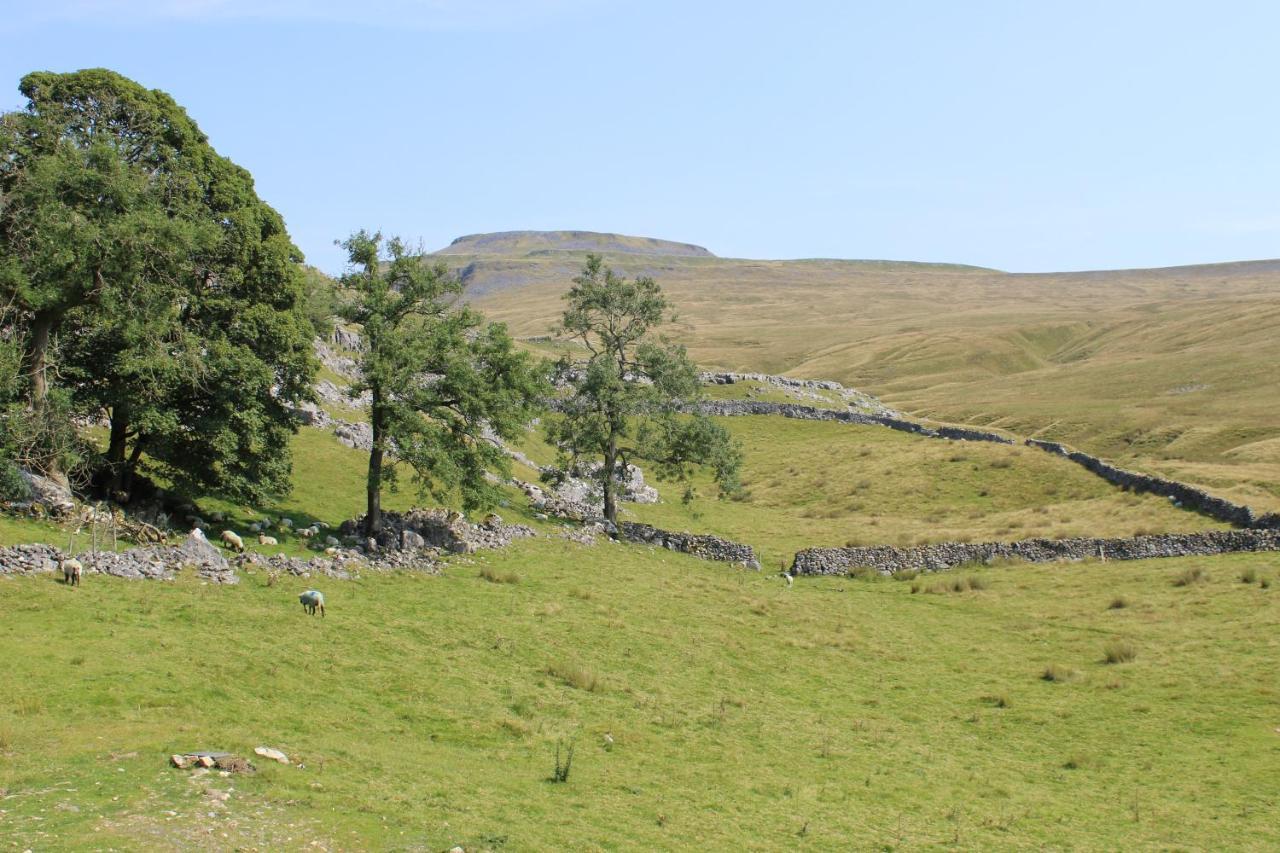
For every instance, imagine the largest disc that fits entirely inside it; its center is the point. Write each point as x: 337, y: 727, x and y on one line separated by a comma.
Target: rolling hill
x: 1169, y: 370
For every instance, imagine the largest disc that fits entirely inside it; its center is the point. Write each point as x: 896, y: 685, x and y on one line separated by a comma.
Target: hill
x: 1167, y: 370
x: 533, y: 242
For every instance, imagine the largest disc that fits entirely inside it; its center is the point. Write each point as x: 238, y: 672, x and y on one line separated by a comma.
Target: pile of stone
x: 435, y: 529
x: 888, y: 560
x: 154, y: 562
x: 342, y: 566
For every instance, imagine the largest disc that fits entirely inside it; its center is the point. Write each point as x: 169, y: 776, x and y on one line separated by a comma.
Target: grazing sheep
x: 320, y: 525
x: 312, y: 600
x: 71, y: 570
x: 286, y: 523
x: 264, y: 539
x: 217, y: 517
x: 233, y: 541
x: 197, y: 521
x: 256, y: 527
x: 308, y: 532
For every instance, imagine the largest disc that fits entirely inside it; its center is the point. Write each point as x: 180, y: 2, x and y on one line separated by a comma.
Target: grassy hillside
x: 424, y: 711
x: 1166, y: 370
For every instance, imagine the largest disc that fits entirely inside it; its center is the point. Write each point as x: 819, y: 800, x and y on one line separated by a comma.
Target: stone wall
x: 733, y: 408
x: 154, y: 562
x: 946, y: 555
x: 1186, y: 496
x: 699, y: 545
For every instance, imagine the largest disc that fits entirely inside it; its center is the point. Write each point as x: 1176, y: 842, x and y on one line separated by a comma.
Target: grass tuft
x: 1059, y: 674
x: 1119, y: 651
x: 578, y: 677
x: 493, y: 576
x: 1118, y: 603
x: 1190, y: 577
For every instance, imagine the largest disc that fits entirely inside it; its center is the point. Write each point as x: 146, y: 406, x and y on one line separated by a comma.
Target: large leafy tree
x: 442, y: 381
x: 120, y: 222
x: 625, y: 402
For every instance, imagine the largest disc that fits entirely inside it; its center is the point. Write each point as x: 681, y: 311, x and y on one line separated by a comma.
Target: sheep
x: 311, y: 601
x: 286, y: 523
x: 308, y: 532
x: 217, y: 517
x: 264, y: 539
x: 197, y: 521
x: 256, y: 527
x: 232, y: 541
x: 71, y: 570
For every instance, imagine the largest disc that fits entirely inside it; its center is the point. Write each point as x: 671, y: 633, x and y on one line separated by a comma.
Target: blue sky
x: 1023, y: 135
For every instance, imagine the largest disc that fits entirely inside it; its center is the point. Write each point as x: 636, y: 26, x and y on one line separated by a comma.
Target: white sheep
x: 264, y: 539
x: 256, y: 527
x: 307, y: 532
x: 232, y: 540
x: 71, y: 570
x: 286, y: 523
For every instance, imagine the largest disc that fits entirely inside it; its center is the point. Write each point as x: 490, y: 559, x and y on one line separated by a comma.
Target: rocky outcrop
x: 1184, y: 495
x: 699, y: 545
x: 947, y: 555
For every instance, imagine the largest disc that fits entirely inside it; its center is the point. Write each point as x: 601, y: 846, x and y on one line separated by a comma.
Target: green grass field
x: 837, y: 714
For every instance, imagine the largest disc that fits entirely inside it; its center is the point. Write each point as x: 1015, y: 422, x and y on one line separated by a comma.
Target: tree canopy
x: 443, y: 382
x: 625, y: 402
x: 179, y: 289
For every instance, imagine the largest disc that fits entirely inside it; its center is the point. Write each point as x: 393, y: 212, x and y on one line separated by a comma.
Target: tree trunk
x: 607, y: 481
x: 131, y: 467
x: 42, y: 325
x: 373, y: 513
x: 116, y: 447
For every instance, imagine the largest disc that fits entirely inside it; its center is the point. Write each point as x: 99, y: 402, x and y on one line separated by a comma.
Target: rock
x: 205, y: 761
x: 49, y: 492
x: 271, y: 753
x: 411, y: 541
x: 179, y: 761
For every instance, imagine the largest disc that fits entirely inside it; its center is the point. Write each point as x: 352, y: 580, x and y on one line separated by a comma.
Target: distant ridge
x: 536, y: 242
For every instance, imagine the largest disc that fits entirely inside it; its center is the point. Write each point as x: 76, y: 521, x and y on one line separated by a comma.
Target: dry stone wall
x: 733, y: 408
x: 699, y: 545
x: 1186, y: 496
x: 947, y: 555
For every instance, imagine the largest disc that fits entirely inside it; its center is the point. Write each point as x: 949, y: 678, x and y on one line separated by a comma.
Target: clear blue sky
x: 1020, y: 135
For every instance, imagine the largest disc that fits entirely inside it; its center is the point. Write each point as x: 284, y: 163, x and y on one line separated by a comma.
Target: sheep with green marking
x: 312, y: 600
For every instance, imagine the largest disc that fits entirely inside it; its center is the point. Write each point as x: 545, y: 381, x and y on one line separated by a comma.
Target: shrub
x: 863, y: 573
x: 996, y: 700
x: 1249, y: 575
x: 1190, y: 576
x: 499, y: 577
x: 561, y: 773
x: 13, y: 487
x: 575, y: 676
x: 1118, y: 603
x: 1119, y: 651
x: 976, y: 582
x: 1265, y: 583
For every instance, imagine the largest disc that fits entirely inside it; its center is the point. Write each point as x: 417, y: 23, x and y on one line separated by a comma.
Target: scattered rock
x: 271, y: 753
